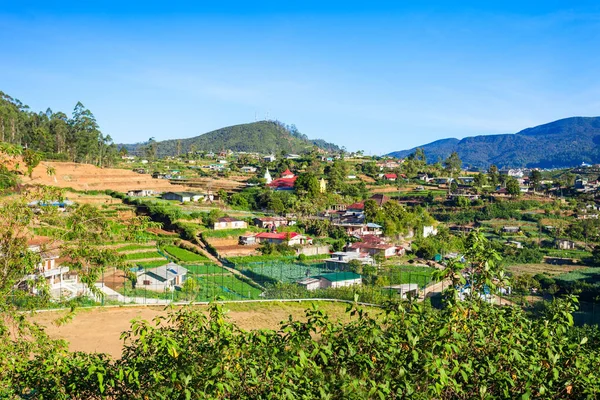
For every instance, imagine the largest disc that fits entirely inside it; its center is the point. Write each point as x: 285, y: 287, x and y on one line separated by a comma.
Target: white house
x: 140, y: 193
x: 248, y: 169
x: 182, y: 197
x: 162, y: 278
x: 229, y: 223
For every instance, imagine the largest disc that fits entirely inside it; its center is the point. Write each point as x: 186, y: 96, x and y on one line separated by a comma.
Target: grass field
x: 281, y: 271
x: 183, y: 254
x: 152, y: 264
x: 205, y: 269
x: 132, y: 247
x: 588, y: 275
x: 143, y: 256
x: 409, y: 274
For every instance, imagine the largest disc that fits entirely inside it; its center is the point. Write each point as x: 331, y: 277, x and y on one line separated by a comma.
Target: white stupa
x: 268, y: 177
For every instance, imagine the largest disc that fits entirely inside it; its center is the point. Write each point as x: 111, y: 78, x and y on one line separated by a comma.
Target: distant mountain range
x: 258, y: 137
x: 564, y: 143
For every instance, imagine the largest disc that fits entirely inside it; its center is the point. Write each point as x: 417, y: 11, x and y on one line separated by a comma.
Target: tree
x: 513, y: 188
x: 32, y: 159
x: 535, y: 178
x: 494, y: 175
x: 480, y: 180
x: 453, y: 164
x: 307, y: 185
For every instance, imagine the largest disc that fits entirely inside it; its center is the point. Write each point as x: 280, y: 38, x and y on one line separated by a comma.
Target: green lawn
x: 152, y: 264
x: 204, y: 269
x: 589, y: 275
x: 408, y: 274
x: 144, y: 255
x: 131, y: 247
x: 183, y: 254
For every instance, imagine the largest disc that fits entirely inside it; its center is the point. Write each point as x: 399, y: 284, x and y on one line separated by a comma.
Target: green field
x: 183, y: 254
x: 132, y: 247
x: 143, y: 256
x: 588, y: 275
x: 152, y: 264
x: 408, y: 274
x: 207, y: 269
x: 281, y: 271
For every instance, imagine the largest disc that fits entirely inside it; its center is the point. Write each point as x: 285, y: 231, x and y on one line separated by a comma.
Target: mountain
x: 257, y: 137
x: 564, y: 143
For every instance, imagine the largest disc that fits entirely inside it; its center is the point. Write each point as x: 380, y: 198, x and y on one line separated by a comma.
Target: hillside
x: 257, y: 137
x: 89, y: 177
x: 563, y: 143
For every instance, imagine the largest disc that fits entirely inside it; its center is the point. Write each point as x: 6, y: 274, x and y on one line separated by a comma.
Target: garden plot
x: 280, y: 271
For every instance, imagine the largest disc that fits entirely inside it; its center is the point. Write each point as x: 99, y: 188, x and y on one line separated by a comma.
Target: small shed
x: 340, y: 279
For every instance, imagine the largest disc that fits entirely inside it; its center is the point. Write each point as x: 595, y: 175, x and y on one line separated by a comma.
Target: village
x: 313, y: 225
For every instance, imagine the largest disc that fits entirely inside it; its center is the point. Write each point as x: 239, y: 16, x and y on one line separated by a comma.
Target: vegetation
x: 260, y: 137
x: 563, y: 143
x: 54, y: 134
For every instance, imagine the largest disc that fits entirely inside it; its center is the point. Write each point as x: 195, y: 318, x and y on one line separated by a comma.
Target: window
x: 146, y: 282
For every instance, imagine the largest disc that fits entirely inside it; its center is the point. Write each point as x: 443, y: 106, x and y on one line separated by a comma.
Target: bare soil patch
x: 98, y: 329
x: 541, y: 268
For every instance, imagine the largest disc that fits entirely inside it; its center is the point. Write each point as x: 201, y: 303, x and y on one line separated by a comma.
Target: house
x: 466, y: 179
x: 182, y: 196
x: 390, y: 177
x: 270, y: 222
x: 581, y: 183
x: 289, y: 238
x: 424, y: 177
x: 248, y: 169
x: 292, y: 156
x: 229, y: 223
x: 564, y: 244
x: 339, y: 279
x: 380, y: 199
x: 162, y: 278
x: 511, y: 229
x: 140, y: 193
x: 351, y: 176
x: 356, y: 207
x: 286, y: 182
x: 373, y: 246
x: 515, y: 173
x: 269, y: 158
x: 247, y: 240
x: 48, y: 267
x: 310, y: 283
x: 443, y: 181
x: 340, y: 259
x: 330, y: 280
x: 404, y: 290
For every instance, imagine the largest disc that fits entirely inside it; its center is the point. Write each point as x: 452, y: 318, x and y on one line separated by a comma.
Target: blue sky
x: 367, y: 75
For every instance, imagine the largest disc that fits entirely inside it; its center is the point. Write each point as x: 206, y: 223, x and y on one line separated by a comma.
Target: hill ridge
x: 255, y: 137
x: 565, y: 142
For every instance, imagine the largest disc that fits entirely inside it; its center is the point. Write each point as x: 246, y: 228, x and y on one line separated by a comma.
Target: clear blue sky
x: 365, y: 75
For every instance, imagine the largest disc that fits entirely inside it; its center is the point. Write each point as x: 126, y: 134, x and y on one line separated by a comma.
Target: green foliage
x: 183, y: 254
x: 563, y: 143
x: 257, y: 137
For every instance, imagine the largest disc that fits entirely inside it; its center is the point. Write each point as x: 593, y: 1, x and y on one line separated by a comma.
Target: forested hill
x: 563, y: 143
x: 260, y: 137
x: 76, y: 138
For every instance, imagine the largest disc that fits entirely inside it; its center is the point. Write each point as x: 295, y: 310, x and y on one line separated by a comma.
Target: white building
x: 162, y: 278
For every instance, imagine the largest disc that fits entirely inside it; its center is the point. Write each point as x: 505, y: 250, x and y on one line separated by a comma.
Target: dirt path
x: 98, y: 329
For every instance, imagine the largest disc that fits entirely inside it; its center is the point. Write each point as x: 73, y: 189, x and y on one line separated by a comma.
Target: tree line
x: 77, y: 138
